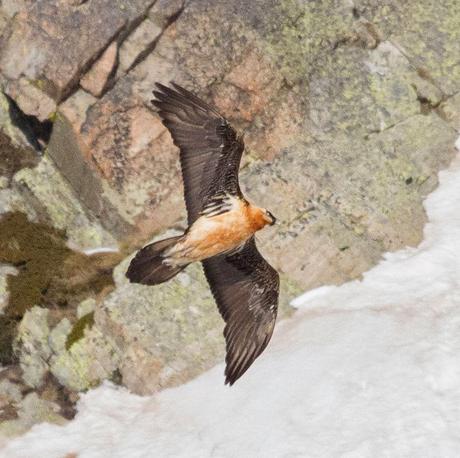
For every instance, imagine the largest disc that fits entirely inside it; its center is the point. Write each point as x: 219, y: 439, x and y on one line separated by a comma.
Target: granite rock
x: 53, y: 42
x: 97, y: 78
x: 138, y: 44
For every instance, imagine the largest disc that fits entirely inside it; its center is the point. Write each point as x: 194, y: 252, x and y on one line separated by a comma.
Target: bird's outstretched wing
x: 246, y: 289
x: 210, y: 150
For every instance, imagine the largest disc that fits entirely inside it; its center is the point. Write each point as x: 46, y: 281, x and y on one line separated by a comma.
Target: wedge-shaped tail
x: 148, y: 266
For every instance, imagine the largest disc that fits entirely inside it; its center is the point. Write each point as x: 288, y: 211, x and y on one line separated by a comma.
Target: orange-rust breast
x: 209, y: 236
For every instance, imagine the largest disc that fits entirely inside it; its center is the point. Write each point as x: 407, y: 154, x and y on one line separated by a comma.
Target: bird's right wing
x: 246, y: 289
x: 210, y: 150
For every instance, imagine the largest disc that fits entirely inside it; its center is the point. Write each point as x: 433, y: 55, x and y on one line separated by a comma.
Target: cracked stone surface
x: 138, y: 43
x: 98, y: 76
x: 349, y: 108
x: 53, y: 41
x: 430, y: 40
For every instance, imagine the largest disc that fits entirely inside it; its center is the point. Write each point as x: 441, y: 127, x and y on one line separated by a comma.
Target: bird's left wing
x: 210, y: 150
x: 246, y: 289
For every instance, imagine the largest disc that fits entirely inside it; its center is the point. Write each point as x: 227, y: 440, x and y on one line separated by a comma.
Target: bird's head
x: 269, y: 218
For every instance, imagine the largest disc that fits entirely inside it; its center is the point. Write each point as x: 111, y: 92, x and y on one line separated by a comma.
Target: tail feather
x: 148, y: 266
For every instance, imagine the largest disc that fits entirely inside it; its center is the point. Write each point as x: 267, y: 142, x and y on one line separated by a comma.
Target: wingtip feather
x: 161, y: 86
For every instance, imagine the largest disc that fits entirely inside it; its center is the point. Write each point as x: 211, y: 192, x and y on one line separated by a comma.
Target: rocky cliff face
x: 349, y: 108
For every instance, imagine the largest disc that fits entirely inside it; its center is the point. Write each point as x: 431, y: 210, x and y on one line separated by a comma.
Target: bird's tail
x: 148, y: 266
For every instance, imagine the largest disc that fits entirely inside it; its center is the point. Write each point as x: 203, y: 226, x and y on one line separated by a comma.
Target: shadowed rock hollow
x: 349, y: 108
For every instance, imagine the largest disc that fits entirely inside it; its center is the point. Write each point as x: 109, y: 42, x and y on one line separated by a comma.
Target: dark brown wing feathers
x: 210, y: 150
x: 246, y: 290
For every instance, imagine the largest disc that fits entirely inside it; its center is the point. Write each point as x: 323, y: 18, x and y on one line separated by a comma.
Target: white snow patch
x: 368, y: 369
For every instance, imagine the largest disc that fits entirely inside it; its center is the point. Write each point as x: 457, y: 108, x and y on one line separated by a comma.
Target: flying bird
x: 221, y: 228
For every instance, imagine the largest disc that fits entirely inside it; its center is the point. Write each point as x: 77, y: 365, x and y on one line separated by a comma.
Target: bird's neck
x: 256, y: 217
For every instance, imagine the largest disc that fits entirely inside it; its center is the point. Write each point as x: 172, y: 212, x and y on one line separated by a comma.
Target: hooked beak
x: 273, y: 219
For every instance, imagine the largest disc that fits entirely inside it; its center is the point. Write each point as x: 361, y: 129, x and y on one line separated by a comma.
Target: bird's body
x: 222, y: 224
x: 211, y: 235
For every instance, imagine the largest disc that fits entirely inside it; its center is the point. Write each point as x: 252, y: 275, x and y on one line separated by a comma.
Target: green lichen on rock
x: 87, y: 362
x: 359, y: 91
x: 62, y: 208
x: 297, y: 33
x: 78, y: 356
x: 31, y: 344
x: 58, y: 336
x: 7, y: 323
x: 86, y: 306
x: 78, y: 330
x: 431, y: 40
